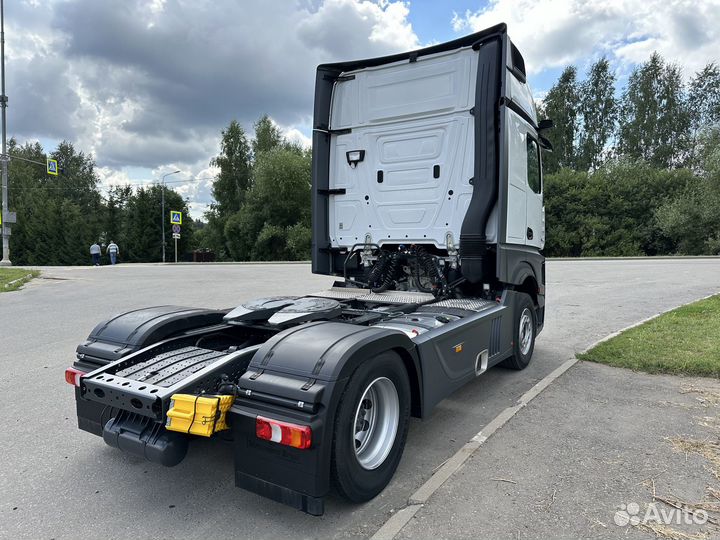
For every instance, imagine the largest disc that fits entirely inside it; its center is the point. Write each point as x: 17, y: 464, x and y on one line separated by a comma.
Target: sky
x: 146, y: 86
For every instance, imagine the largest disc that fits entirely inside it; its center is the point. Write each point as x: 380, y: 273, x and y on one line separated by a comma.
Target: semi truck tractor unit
x: 427, y: 207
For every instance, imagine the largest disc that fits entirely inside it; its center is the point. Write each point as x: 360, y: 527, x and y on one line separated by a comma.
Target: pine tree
x: 115, y: 210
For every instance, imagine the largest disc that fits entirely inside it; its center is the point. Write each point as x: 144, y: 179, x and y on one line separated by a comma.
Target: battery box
x: 198, y: 415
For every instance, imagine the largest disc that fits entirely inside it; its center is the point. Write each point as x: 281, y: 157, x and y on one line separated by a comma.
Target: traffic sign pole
x: 162, y: 183
x: 175, y: 221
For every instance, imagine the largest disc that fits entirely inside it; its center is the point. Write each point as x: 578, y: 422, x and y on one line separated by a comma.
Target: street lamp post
x: 3, y: 102
x: 162, y: 197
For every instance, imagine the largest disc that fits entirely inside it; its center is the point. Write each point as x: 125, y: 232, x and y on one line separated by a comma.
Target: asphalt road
x: 59, y: 482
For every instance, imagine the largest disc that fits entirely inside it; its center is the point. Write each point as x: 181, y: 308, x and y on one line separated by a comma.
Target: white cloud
x: 113, y: 177
x: 384, y: 25
x: 554, y: 33
x: 142, y: 84
x: 148, y: 94
x: 198, y: 189
x: 294, y: 135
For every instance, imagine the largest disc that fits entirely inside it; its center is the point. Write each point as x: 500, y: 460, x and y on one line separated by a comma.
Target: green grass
x: 11, y: 274
x: 685, y: 341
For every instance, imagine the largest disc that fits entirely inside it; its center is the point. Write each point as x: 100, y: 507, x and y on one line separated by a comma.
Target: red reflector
x: 72, y: 376
x: 283, y: 432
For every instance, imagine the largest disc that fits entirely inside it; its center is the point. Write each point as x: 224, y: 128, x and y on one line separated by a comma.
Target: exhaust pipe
x: 474, y: 260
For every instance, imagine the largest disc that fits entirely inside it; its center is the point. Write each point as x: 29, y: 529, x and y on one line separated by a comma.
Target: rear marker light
x: 72, y: 376
x: 283, y: 433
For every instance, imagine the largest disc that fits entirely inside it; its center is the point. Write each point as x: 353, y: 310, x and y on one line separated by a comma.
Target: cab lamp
x: 283, y: 433
x: 354, y: 157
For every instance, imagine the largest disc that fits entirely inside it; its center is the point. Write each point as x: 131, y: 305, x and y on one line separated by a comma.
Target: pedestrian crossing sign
x: 175, y: 217
x: 52, y: 167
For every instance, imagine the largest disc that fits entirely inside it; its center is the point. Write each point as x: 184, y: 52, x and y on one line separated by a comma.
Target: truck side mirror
x: 545, y: 124
x: 545, y: 144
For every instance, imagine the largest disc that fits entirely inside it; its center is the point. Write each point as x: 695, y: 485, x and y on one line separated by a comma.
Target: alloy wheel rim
x: 375, y: 424
x: 525, y: 332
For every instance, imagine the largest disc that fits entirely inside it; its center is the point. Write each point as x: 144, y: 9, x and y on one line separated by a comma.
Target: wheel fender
x: 523, y: 271
x: 128, y: 332
x: 328, y: 351
x: 311, y: 363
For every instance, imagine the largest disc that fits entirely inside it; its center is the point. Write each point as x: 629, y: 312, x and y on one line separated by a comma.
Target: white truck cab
x: 411, y: 129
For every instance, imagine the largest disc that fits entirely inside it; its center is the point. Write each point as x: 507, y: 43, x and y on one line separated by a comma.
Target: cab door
x: 525, y: 211
x: 535, y: 221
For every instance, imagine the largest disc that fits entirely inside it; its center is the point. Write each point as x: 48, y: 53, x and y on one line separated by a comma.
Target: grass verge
x: 685, y: 341
x: 11, y: 279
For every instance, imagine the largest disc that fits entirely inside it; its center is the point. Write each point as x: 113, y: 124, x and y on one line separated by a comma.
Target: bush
x: 612, y: 211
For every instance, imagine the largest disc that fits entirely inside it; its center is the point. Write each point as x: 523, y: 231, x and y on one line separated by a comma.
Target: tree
x: 704, y: 96
x: 598, y: 112
x: 641, y: 109
x: 230, y: 186
x: 58, y: 217
x: 692, y: 219
x: 233, y: 180
x: 674, y: 122
x: 655, y: 119
x: 115, y: 213
x: 143, y: 233
x: 704, y: 102
x: 267, y: 136
x: 561, y: 106
x: 274, y: 222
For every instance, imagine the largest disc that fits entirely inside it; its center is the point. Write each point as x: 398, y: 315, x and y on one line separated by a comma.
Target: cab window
x: 533, y: 165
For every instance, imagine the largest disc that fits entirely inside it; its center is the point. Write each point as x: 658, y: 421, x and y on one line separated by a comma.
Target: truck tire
x: 524, y: 332
x: 371, y: 427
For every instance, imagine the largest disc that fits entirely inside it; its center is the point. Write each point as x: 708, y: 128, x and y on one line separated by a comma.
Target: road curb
x: 18, y: 280
x: 392, y: 527
x: 636, y: 258
x: 647, y: 319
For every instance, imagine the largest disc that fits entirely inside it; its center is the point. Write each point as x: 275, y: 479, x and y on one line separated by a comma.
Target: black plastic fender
x: 327, y: 351
x: 298, y: 376
x: 126, y: 333
x: 298, y: 363
x: 523, y: 271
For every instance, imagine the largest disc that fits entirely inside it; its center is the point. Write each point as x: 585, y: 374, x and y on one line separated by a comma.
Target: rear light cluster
x: 72, y: 376
x: 283, y: 433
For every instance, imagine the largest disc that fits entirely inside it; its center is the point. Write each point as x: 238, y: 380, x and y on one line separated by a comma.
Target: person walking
x: 95, y: 254
x: 113, y: 250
